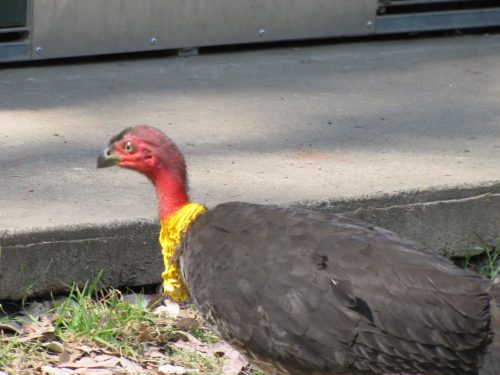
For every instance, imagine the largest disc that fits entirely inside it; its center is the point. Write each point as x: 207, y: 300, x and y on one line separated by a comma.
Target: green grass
x: 14, y: 353
x: 487, y: 263
x: 99, y: 317
x: 103, y: 317
x: 204, y: 335
x: 196, y: 361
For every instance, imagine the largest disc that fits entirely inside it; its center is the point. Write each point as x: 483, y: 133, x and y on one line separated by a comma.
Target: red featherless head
x: 148, y: 151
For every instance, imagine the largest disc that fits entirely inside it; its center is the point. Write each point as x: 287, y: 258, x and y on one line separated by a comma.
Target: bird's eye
x: 129, y: 147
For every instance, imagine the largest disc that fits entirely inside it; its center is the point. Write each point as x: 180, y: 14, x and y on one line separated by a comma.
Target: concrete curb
x: 451, y: 222
x: 36, y: 261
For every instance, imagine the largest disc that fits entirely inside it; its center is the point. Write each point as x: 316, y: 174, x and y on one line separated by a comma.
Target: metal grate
x: 409, y: 16
x: 388, y: 7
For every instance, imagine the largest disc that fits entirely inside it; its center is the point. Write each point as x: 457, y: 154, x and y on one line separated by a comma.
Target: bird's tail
x: 491, y: 365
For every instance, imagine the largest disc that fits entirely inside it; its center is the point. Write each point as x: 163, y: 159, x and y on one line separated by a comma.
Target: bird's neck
x: 171, y: 192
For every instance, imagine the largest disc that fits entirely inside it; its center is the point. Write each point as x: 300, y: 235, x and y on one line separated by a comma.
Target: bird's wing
x: 319, y: 291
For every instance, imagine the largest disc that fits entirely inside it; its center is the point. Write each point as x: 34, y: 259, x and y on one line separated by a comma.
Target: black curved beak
x: 107, y: 159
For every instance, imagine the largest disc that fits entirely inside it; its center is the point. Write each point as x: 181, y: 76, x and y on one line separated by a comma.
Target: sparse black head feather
x: 119, y: 135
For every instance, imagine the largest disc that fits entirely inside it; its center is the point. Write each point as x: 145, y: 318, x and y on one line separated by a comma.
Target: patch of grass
x: 205, y: 335
x: 195, y: 361
x: 105, y: 318
x: 16, y: 356
x: 486, y: 264
x: 92, y: 322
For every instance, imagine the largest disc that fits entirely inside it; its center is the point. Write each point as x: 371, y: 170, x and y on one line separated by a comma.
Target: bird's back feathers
x: 305, y: 291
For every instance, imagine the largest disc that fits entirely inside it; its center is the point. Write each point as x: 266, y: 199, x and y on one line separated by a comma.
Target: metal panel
x: 72, y: 28
x: 416, y: 22
x: 15, y: 51
x: 412, y: 2
x: 15, y: 43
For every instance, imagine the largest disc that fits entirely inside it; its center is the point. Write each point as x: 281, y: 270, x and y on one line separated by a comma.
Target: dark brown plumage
x: 305, y: 292
x: 312, y: 291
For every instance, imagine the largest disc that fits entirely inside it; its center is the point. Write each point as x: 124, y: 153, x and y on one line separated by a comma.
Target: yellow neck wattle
x: 171, y: 233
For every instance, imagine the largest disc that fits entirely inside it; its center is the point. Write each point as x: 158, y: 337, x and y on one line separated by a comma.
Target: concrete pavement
x: 346, y: 126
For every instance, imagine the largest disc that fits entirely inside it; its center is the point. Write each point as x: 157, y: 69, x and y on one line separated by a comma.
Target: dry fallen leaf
x: 95, y: 371
x: 233, y: 361
x: 153, y: 355
x: 99, y: 361
x: 186, y: 341
x: 49, y: 370
x: 68, y: 356
x: 187, y: 324
x: 11, y: 327
x: 170, y: 370
x: 191, y: 346
x: 187, y: 337
x: 85, y: 348
x: 42, y: 329
x: 143, y: 332
x: 130, y: 366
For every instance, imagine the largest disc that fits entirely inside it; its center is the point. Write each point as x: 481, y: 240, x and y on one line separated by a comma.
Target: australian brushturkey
x: 306, y: 292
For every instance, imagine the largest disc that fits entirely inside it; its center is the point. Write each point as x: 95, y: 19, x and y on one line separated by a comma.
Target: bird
x: 300, y: 291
